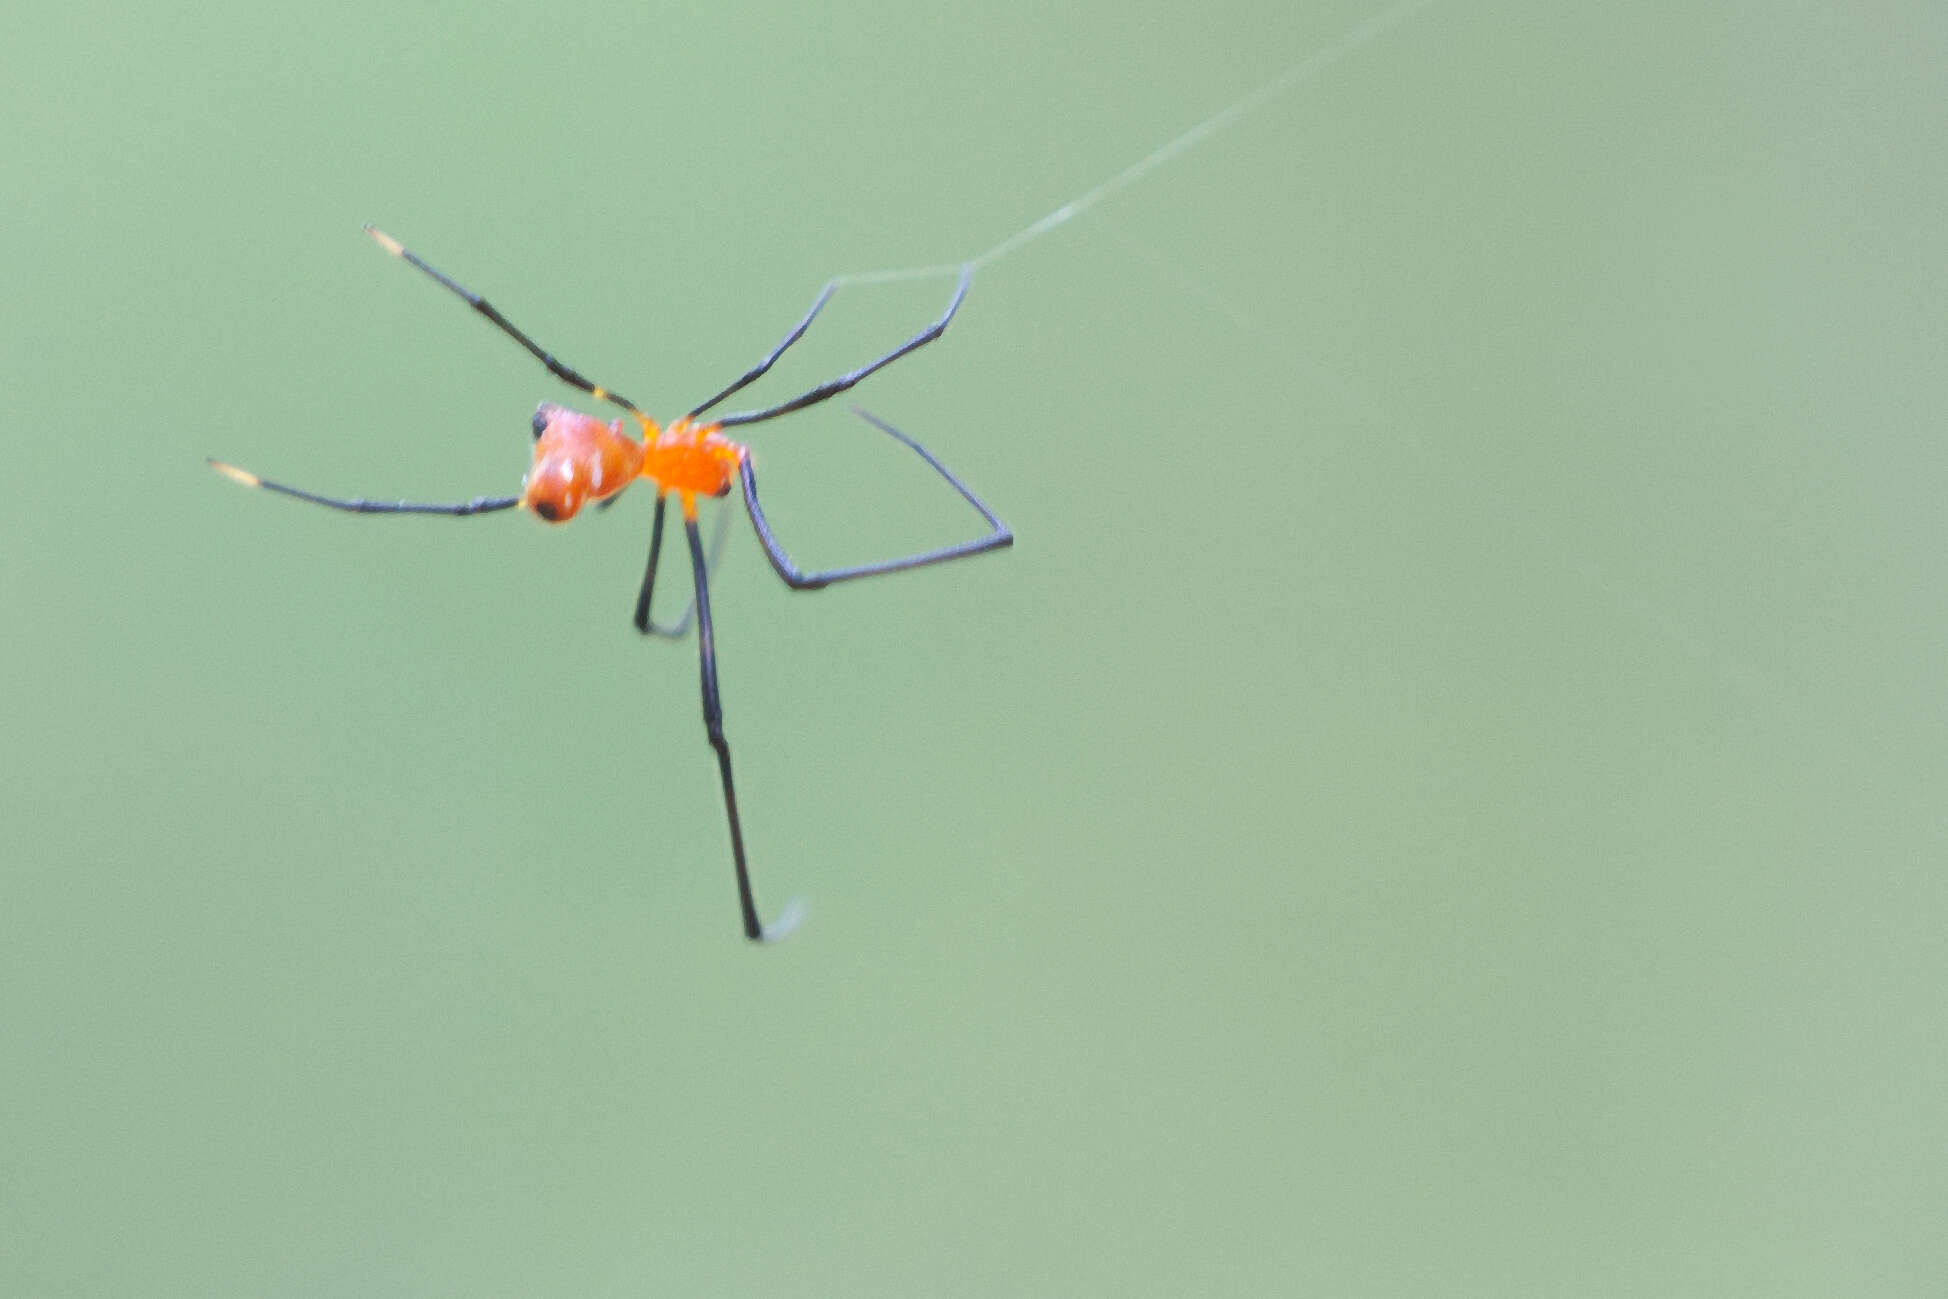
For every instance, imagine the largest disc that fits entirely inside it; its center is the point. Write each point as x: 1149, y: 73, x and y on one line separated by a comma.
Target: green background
x: 1446, y: 795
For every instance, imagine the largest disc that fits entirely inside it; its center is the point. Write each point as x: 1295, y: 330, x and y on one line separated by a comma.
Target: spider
x: 579, y: 459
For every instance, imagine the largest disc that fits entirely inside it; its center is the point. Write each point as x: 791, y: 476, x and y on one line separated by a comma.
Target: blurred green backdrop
x: 1445, y: 796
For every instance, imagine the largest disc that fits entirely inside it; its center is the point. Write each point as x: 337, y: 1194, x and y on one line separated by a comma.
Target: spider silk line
x: 1764, y: 690
x: 1305, y: 70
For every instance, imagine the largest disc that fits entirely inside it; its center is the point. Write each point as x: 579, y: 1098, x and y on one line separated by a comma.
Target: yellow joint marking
x: 235, y: 474
x: 689, y: 505
x: 599, y: 393
x: 385, y: 240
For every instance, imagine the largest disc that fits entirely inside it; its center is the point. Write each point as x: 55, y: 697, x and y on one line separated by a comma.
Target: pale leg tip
x: 233, y: 473
x: 787, y: 922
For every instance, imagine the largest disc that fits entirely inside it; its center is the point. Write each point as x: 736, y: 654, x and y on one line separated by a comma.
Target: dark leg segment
x: 756, y: 372
x: 643, y: 623
x: 713, y: 724
x: 833, y: 387
x: 997, y: 537
x: 359, y: 505
x: 500, y: 322
x: 676, y: 630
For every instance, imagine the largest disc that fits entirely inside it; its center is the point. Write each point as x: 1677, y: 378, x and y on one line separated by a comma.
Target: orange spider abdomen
x: 577, y: 459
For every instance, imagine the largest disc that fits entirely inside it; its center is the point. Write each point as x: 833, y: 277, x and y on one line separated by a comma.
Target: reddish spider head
x: 577, y: 459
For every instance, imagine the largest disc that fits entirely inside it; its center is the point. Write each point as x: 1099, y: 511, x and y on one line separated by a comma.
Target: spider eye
x: 540, y: 424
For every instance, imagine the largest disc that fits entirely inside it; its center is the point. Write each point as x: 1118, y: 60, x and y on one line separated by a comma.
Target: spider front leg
x: 833, y: 387
x: 566, y: 373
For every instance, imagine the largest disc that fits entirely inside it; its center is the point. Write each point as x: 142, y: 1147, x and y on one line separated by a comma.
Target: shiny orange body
x: 579, y: 458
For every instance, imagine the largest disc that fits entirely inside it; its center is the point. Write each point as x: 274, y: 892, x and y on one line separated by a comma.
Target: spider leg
x: 713, y: 723
x: 359, y: 505
x: 756, y: 372
x: 997, y: 536
x: 833, y: 387
x: 647, y: 625
x: 500, y: 322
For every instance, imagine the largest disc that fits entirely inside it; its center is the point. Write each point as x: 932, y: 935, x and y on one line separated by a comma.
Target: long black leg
x: 833, y: 387
x: 643, y: 623
x: 500, y: 322
x: 713, y: 724
x: 997, y: 537
x: 676, y: 630
x: 358, y: 505
x: 756, y: 372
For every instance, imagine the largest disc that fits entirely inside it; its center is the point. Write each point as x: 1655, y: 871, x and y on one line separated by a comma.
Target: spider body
x: 579, y: 458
